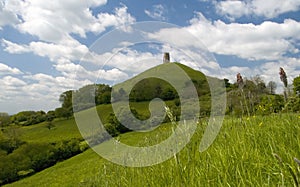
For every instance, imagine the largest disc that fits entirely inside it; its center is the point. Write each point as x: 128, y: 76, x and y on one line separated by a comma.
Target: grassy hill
x: 157, y: 81
x: 249, y: 151
x: 254, y: 151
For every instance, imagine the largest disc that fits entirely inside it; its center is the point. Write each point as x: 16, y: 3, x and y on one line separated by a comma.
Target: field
x: 250, y: 151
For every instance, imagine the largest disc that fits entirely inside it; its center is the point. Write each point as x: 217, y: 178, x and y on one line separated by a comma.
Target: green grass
x: 65, y: 129
x: 62, y: 130
x: 242, y: 155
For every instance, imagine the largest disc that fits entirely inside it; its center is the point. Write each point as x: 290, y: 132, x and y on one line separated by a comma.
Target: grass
x: 251, y: 151
x: 62, y: 130
x: 65, y: 129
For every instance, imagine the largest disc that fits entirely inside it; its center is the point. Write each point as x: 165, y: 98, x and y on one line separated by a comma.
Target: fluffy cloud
x: 71, y: 51
x: 121, y: 19
x: 12, y: 81
x: 157, y: 12
x: 7, y: 16
x: 268, y: 9
x: 35, y: 92
x: 56, y: 20
x: 6, y: 70
x: 268, y: 40
x: 53, y: 21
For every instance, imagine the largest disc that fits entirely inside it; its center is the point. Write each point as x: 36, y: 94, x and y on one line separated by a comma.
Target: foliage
x: 4, y: 119
x: 26, y: 118
x: 10, y: 140
x: 270, y: 104
x: 103, y: 94
x: 292, y: 105
x: 63, y: 112
x: 66, y: 109
x: 34, y: 157
x: 49, y: 125
x: 148, y: 89
x: 272, y: 87
x: 89, y: 96
x: 66, y: 99
x: 254, y: 99
x: 296, y: 84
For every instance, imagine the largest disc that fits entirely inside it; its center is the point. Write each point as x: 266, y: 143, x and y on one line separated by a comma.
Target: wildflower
x: 283, y: 76
x: 240, y: 81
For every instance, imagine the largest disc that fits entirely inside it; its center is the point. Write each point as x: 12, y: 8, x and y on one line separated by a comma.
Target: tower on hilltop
x: 166, y: 58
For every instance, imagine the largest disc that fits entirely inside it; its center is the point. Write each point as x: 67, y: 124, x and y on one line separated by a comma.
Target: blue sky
x: 48, y: 48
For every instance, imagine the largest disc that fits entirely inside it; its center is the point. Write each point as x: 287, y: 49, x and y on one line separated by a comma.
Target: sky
x: 50, y: 47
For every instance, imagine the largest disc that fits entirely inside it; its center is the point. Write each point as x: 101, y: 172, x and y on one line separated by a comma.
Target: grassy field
x: 253, y: 151
x: 62, y: 130
x: 65, y: 129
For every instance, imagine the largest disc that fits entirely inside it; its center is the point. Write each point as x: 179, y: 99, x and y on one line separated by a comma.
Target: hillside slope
x: 244, y: 159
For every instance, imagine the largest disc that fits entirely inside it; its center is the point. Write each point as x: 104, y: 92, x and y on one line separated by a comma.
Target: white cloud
x: 268, y: 9
x: 6, y: 70
x: 12, y: 81
x: 121, y: 19
x: 7, y: 16
x: 158, y: 12
x: 55, y: 21
x: 266, y: 41
x: 35, y: 92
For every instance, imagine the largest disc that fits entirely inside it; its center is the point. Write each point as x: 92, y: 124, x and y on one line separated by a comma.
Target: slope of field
x: 253, y: 151
x: 66, y: 129
x: 61, y: 130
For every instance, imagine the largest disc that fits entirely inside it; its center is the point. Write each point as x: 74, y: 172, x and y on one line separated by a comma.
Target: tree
x: 227, y: 83
x: 272, y: 87
x: 66, y: 105
x: 260, y: 84
x: 66, y: 99
x: 4, y: 119
x: 103, y: 94
x: 62, y: 112
x: 50, y: 115
x: 296, y: 84
x: 49, y: 125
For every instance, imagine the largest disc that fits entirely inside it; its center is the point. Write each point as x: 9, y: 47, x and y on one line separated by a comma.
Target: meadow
x: 248, y: 151
x: 258, y: 144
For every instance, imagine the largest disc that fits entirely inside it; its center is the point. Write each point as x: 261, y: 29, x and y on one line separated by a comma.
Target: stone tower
x: 166, y: 58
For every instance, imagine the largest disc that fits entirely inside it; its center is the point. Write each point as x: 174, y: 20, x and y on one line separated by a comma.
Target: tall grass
x: 251, y: 151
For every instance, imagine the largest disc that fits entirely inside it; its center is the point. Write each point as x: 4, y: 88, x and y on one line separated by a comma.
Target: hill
x: 251, y: 152
x: 160, y: 81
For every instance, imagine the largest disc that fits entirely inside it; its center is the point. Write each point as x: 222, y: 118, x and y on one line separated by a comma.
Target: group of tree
x: 26, y: 118
x: 254, y: 96
x: 244, y: 96
x: 83, y: 98
x: 20, y: 159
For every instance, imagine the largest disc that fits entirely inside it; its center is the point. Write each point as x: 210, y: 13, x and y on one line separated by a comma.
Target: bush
x: 33, y: 157
x: 270, y: 104
x: 292, y: 105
